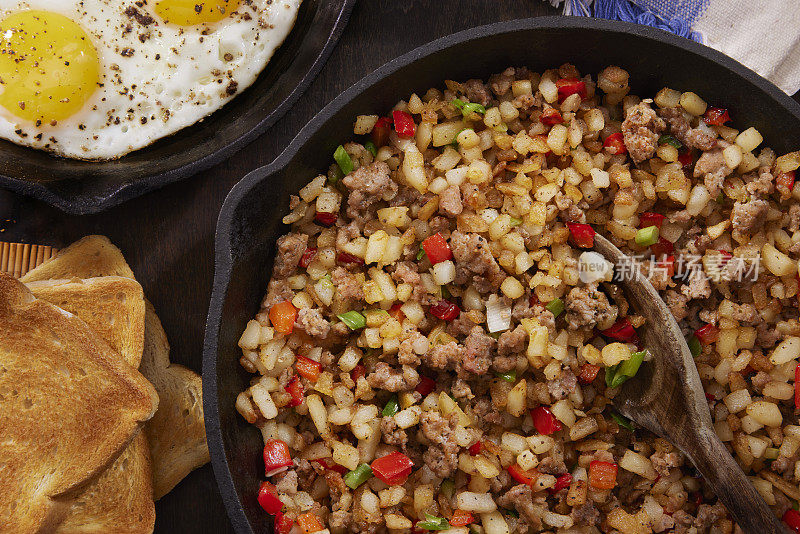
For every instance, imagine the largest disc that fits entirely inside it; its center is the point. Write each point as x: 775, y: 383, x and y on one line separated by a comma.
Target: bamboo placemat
x: 17, y: 259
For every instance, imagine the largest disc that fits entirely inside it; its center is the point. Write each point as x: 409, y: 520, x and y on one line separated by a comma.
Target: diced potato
x: 777, y: 262
x: 475, y: 502
x: 639, y: 464
x: 346, y: 455
x: 786, y: 351
x: 319, y: 415
x: 766, y: 413
x: 737, y: 400
x: 667, y: 98
x: 376, y: 247
x: 516, y: 402
x: 251, y: 335
x: 446, y: 132
x: 364, y: 124
x: 693, y: 104
x: 749, y: 139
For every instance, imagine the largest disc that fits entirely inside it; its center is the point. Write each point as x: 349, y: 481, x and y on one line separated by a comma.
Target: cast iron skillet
x: 89, y: 187
x: 250, y: 221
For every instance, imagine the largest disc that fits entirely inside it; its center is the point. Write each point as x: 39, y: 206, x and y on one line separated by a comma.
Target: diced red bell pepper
x: 649, y: 218
x: 357, y: 372
x: 615, y: 144
x: 582, y: 234
x: 726, y: 257
x: 404, y: 124
x: 307, y: 368
x: 330, y: 465
x: 461, y: 518
x: 396, y: 312
x: 476, y: 448
x: 325, y: 218
x: 785, y: 182
x: 393, y: 469
x: 308, y: 257
x: 381, y: 130
x: 710, y: 397
x: 588, y: 373
x: 309, y: 523
x: 698, y: 498
x: 544, y: 421
x: 716, y: 116
x: 283, y: 524
x: 797, y: 387
x: 602, y: 475
x: 561, y: 482
x: 426, y: 385
x: 792, y: 518
x: 570, y: 86
x: 295, y: 389
x: 686, y: 158
x: 268, y: 498
x: 347, y: 258
x: 707, y: 334
x: 662, y: 247
x: 445, y: 310
x: 522, y: 476
x: 622, y: 331
x: 550, y: 117
x: 276, y: 457
x: 282, y: 316
x: 436, y: 249
x: 668, y: 263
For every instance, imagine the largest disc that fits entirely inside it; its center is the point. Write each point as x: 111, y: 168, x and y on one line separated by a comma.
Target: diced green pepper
x: 445, y: 292
x: 432, y: 522
x: 343, y: 159
x: 392, y: 407
x: 510, y: 376
x: 468, y: 108
x: 420, y: 254
x: 647, y: 236
x: 448, y: 488
x: 622, y: 421
x: 335, y: 174
x: 358, y: 476
x: 695, y: 347
x: 369, y: 145
x: 515, y: 222
x: 458, y: 103
x: 611, y: 372
x: 669, y: 140
x: 630, y: 367
x: 556, y: 306
x: 618, y: 380
x: 353, y: 319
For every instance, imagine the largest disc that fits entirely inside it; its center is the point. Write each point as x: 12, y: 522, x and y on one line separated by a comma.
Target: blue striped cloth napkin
x: 761, y: 34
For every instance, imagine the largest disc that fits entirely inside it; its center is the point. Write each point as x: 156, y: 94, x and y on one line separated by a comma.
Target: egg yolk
x: 48, y: 66
x: 192, y: 12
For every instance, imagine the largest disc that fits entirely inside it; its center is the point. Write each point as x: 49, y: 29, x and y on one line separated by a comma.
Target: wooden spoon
x: 667, y: 398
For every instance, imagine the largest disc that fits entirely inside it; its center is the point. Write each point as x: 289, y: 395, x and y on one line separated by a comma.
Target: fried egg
x: 98, y: 79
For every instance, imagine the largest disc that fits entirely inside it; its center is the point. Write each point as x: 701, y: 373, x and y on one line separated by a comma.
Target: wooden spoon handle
x: 731, y: 485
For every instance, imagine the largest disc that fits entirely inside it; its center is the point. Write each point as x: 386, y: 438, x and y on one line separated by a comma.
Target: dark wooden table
x: 167, y: 236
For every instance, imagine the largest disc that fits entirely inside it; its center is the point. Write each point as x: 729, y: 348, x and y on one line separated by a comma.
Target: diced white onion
x: 498, y: 314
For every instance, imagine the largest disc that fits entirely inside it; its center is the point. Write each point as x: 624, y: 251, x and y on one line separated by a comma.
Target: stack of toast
x: 96, y: 423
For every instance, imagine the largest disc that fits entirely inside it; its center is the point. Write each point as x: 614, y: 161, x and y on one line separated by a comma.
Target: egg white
x: 156, y: 78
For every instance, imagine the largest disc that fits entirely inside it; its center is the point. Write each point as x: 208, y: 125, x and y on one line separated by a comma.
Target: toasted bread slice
x: 112, y: 305
x: 177, y: 434
x: 89, y: 257
x: 121, y: 499
x: 174, y: 453
x: 70, y: 407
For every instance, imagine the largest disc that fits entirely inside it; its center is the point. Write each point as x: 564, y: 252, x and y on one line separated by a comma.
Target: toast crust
x: 56, y: 434
x: 90, y: 257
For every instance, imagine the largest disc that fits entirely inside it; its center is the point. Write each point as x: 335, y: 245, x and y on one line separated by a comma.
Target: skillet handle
x: 731, y: 485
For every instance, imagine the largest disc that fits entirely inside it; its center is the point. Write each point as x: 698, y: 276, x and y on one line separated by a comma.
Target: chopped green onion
x: 343, y: 159
x: 392, y: 407
x: 445, y: 292
x: 468, y: 107
x: 771, y: 453
x: 448, y: 488
x: 618, y: 380
x: 432, y: 522
x: 630, y: 367
x: 611, y: 372
x: 694, y: 346
x: 510, y: 376
x: 515, y: 222
x: 647, y: 236
x: 556, y: 306
x: 358, y: 476
x: 669, y: 140
x: 353, y: 319
x: 622, y: 421
x: 335, y: 174
x: 369, y: 145
x: 795, y: 505
x: 454, y: 144
x: 420, y: 254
